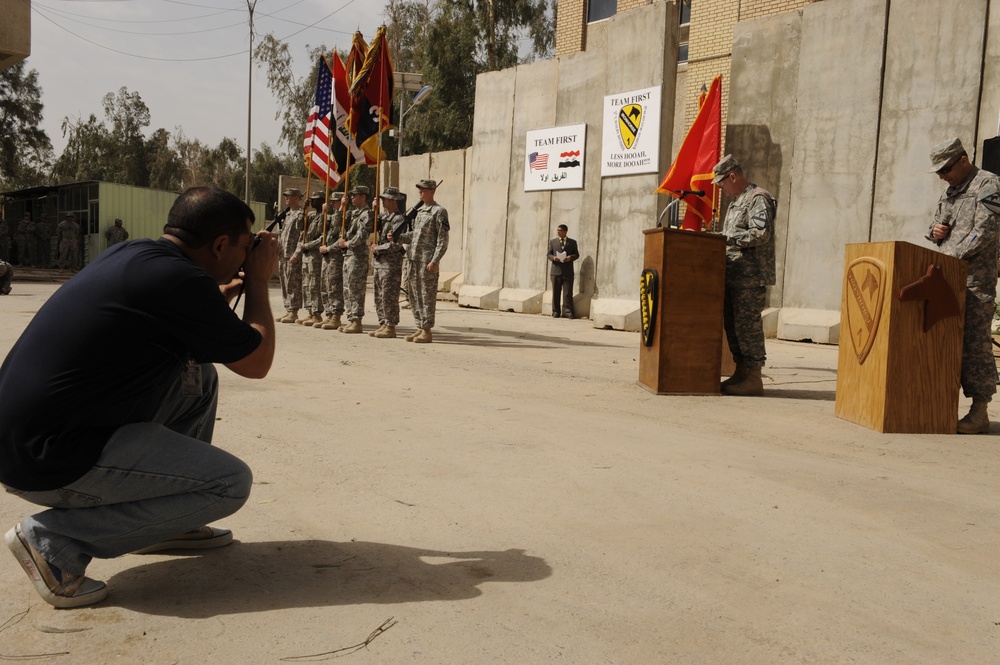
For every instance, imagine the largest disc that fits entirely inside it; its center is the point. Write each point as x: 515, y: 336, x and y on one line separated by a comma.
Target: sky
x: 187, y: 59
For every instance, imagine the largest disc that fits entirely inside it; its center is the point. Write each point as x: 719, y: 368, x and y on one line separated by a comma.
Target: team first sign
x: 631, y: 142
x: 553, y: 158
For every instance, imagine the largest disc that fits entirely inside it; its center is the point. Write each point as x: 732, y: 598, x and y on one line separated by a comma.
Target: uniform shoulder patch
x: 989, y: 196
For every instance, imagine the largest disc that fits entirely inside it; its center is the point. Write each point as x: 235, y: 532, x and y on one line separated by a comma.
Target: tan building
x: 705, y: 36
x: 15, y: 32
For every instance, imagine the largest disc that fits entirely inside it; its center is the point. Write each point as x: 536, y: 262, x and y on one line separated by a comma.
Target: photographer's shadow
x: 257, y: 577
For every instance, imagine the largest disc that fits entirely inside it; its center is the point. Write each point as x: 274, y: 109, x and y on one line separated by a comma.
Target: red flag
x: 692, y: 169
x: 371, y: 94
x: 343, y: 141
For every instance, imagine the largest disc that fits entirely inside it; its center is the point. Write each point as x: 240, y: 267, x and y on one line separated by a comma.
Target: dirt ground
x: 509, y: 494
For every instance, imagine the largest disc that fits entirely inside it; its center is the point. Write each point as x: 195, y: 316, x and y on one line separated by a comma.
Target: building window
x: 682, y: 53
x: 685, y: 8
x: 598, y: 10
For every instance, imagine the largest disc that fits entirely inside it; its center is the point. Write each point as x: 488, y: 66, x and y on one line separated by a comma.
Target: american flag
x: 538, y: 161
x: 316, y: 143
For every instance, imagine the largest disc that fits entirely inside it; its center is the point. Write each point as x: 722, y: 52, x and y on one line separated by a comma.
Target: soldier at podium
x: 965, y: 226
x: 749, y: 232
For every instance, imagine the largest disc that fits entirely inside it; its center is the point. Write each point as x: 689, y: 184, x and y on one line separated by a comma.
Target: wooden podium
x: 680, y: 351
x: 901, y: 321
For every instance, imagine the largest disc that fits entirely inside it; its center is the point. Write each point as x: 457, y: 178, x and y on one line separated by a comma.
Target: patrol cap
x: 118, y: 221
x: 336, y: 196
x: 390, y: 193
x: 427, y: 184
x: 316, y: 196
x: 944, y: 152
x: 726, y: 165
x: 361, y: 189
x: 291, y: 191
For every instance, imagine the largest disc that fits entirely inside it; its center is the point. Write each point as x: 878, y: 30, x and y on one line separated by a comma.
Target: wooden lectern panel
x: 686, y: 354
x: 892, y: 376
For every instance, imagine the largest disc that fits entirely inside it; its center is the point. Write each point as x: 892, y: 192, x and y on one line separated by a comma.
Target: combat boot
x: 352, y: 328
x: 423, y: 337
x: 310, y: 320
x: 751, y: 385
x: 739, y: 374
x: 977, y: 421
x: 372, y: 333
x: 333, y: 323
x: 325, y: 319
x: 289, y: 317
x: 413, y: 335
x: 387, y: 332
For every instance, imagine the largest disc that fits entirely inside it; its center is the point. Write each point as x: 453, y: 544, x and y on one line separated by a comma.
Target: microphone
x: 690, y: 192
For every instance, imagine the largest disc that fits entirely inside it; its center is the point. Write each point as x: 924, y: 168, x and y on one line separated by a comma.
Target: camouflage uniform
x: 21, y: 241
x: 290, y: 273
x: 68, y: 233
x: 428, y: 242
x: 43, y: 236
x: 388, y: 260
x: 115, y: 235
x: 973, y: 238
x: 311, y: 261
x: 749, y: 232
x: 332, y: 276
x: 359, y: 228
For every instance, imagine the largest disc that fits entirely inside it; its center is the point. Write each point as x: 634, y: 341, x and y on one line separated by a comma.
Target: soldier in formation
x: 332, y: 274
x: 428, y: 241
x: 68, y: 236
x: 24, y: 239
x: 355, y: 243
x: 289, y: 266
x: 43, y: 240
x: 387, y: 257
x: 311, y: 260
x: 4, y: 239
x: 750, y: 269
x: 965, y: 226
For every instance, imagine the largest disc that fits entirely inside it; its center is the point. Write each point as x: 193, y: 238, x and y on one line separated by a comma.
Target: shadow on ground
x: 494, y: 337
x: 260, y: 577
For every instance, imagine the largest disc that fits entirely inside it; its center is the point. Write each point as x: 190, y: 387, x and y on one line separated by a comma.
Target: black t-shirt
x: 102, y: 352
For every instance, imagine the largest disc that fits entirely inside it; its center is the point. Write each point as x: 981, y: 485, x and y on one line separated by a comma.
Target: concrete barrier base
x: 819, y: 325
x: 523, y: 301
x: 480, y: 297
x: 617, y: 314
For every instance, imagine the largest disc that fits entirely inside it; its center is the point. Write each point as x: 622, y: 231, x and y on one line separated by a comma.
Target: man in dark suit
x: 562, y: 253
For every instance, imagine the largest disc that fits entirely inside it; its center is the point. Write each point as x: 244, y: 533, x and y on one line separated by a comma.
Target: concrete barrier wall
x: 580, y: 209
x: 528, y: 212
x: 641, y: 52
x: 932, y: 79
x: 761, y: 128
x: 489, y: 184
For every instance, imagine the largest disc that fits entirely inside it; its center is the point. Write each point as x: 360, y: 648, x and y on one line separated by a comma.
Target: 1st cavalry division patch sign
x: 649, y: 285
x: 865, y: 290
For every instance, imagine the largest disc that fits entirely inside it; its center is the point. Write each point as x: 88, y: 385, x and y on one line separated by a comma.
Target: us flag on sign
x: 538, y: 161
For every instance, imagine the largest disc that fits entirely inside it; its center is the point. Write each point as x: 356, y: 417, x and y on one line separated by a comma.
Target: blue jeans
x: 152, y: 481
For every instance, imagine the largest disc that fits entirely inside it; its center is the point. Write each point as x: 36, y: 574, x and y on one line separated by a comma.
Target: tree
x: 25, y: 149
x: 128, y: 117
x: 163, y: 161
x: 87, y: 151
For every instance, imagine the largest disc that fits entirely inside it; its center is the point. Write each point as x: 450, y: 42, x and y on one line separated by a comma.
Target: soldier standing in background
x: 388, y: 260
x: 332, y: 275
x: 289, y: 266
x: 749, y: 231
x: 116, y: 234
x: 428, y: 242
x: 965, y: 226
x: 43, y: 236
x: 308, y: 253
x: 68, y: 236
x: 21, y: 240
x: 359, y: 227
